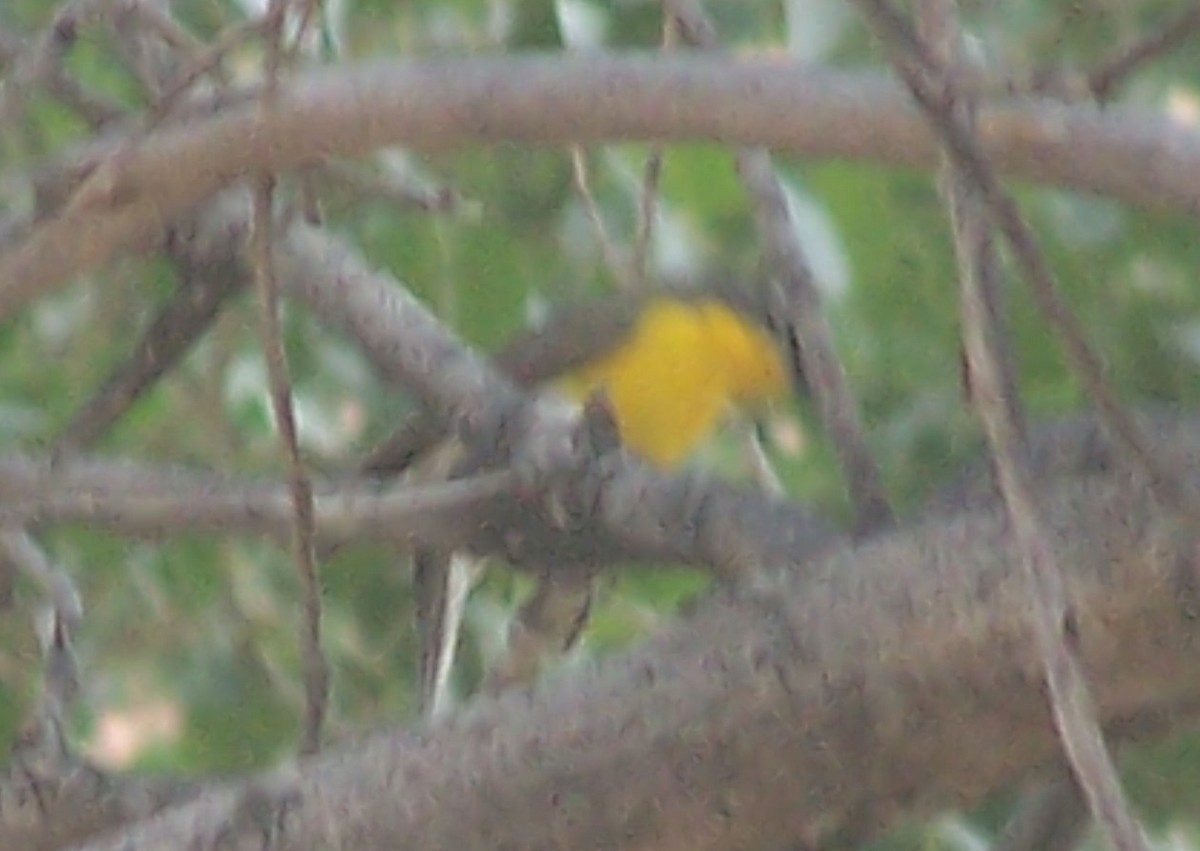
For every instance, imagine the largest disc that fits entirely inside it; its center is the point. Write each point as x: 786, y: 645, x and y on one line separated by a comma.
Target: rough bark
x: 893, y: 678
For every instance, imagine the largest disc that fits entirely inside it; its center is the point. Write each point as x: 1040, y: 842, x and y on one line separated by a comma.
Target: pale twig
x: 442, y: 583
x: 1052, y: 620
x: 1052, y: 816
x: 385, y: 185
x: 975, y: 238
x: 651, y: 178
x: 761, y: 468
x: 55, y: 581
x: 45, y: 733
x: 583, y: 188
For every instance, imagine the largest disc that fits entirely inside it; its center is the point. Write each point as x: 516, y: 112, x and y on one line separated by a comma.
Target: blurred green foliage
x: 210, y: 624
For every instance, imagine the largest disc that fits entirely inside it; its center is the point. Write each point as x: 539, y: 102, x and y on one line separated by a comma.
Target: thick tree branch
x: 888, y: 680
x: 1138, y: 157
x: 690, y: 519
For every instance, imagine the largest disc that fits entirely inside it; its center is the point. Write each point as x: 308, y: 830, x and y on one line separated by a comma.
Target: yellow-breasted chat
x: 671, y: 363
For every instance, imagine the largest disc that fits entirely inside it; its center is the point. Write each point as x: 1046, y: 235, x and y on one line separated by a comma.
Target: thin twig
x: 152, y: 45
x: 385, y: 185
x: 975, y: 253
x: 158, y: 21
x: 442, y: 578
x: 55, y: 581
x: 1112, y: 72
x: 205, y: 61
x: 442, y: 583
x: 651, y: 178
x: 764, y: 472
x: 316, y: 666
x: 35, y: 67
x: 40, y: 67
x: 1070, y: 699
x: 819, y: 362
x: 608, y: 249
x: 913, y: 62
x: 975, y: 238
x: 547, y: 625
x: 647, y: 215
x: 61, y: 686
x: 190, y: 312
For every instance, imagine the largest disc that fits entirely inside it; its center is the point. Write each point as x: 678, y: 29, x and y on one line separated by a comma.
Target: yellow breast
x: 682, y: 366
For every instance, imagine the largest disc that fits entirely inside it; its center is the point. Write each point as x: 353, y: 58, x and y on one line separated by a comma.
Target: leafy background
x: 190, y: 643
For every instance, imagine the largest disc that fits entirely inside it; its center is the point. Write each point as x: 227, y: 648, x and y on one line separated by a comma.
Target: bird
x: 678, y: 370
x: 671, y: 363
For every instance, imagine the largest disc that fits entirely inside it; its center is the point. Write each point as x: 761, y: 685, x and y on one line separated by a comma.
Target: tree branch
x: 1139, y: 157
x: 856, y: 692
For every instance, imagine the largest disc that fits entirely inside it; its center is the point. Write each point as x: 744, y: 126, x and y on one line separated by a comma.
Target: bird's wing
x: 572, y: 336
